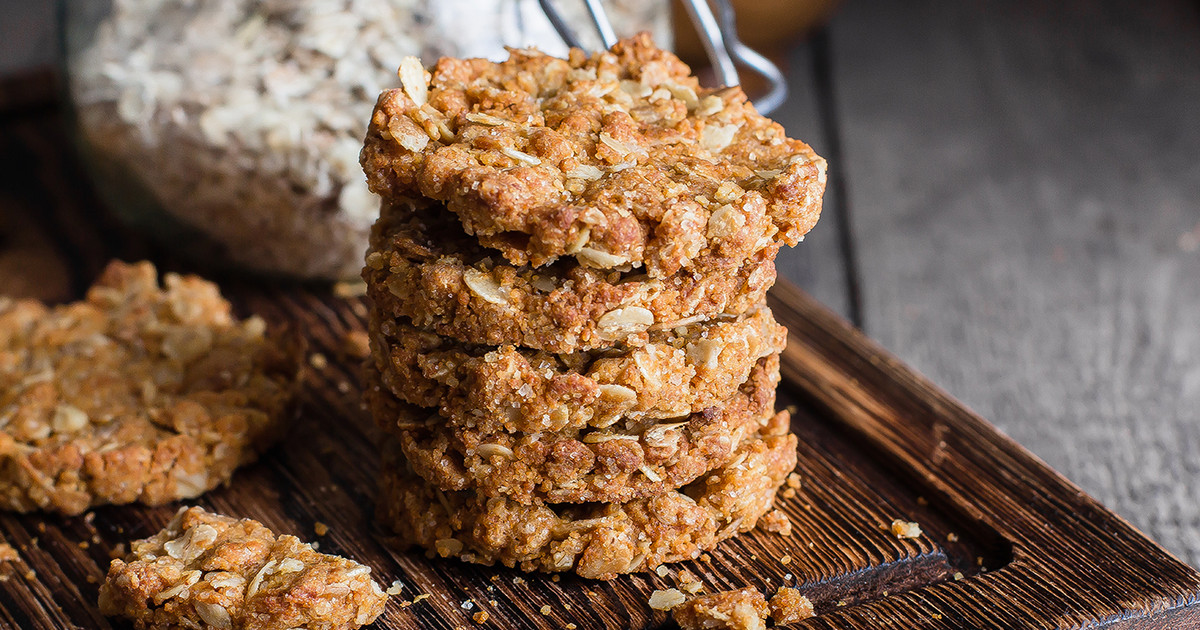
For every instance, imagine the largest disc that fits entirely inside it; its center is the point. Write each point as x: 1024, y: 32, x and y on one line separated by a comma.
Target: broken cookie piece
x: 138, y: 393
x: 206, y: 570
x: 744, y: 609
x: 789, y: 606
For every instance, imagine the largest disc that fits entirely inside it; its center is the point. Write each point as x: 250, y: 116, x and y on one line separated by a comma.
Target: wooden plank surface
x: 1024, y: 179
x: 1068, y: 553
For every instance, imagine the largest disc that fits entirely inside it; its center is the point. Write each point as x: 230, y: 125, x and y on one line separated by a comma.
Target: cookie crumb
x: 905, y: 529
x: 777, y: 521
x: 481, y: 616
x: 318, y: 361
x: 356, y: 344
x: 789, y: 606
x: 666, y: 599
x: 793, y: 481
x: 952, y: 537
x: 350, y: 289
x: 545, y: 609
x: 785, y: 560
x: 662, y: 570
x: 8, y: 553
x: 395, y: 588
x: 689, y: 582
x: 320, y: 528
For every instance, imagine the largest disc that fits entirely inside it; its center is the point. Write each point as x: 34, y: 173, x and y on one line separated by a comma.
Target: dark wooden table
x: 1014, y: 211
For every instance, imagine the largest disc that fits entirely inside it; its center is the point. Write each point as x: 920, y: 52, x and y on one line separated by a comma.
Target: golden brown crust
x: 626, y: 461
x: 134, y: 394
x: 512, y: 389
x: 597, y: 541
x: 205, y: 570
x: 422, y: 267
x: 618, y: 158
x: 743, y: 609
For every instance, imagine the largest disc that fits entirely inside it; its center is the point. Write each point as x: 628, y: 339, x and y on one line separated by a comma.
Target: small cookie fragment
x: 8, y: 553
x: 666, y: 599
x: 777, y: 521
x: 905, y: 529
x: 689, y: 582
x: 356, y: 344
x: 744, y: 609
x: 789, y: 606
x: 206, y: 570
x: 138, y: 393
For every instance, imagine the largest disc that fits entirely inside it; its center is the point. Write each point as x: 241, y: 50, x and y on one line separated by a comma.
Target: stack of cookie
x: 572, y: 357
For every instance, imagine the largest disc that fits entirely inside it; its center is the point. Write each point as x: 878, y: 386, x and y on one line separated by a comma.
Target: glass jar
x: 231, y: 129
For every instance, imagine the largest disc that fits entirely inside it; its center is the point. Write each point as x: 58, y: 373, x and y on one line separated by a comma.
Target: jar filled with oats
x: 230, y: 129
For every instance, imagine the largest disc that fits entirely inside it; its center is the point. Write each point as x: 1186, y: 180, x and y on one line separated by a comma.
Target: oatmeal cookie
x: 136, y: 393
x: 206, y: 570
x: 597, y: 541
x: 623, y: 462
x: 422, y: 267
x: 506, y: 388
x: 619, y: 159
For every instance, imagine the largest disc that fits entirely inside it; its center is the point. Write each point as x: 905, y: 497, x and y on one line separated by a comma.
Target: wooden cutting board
x: 1007, y: 542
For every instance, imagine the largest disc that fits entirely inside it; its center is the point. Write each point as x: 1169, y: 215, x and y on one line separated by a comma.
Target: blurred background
x: 1013, y: 209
